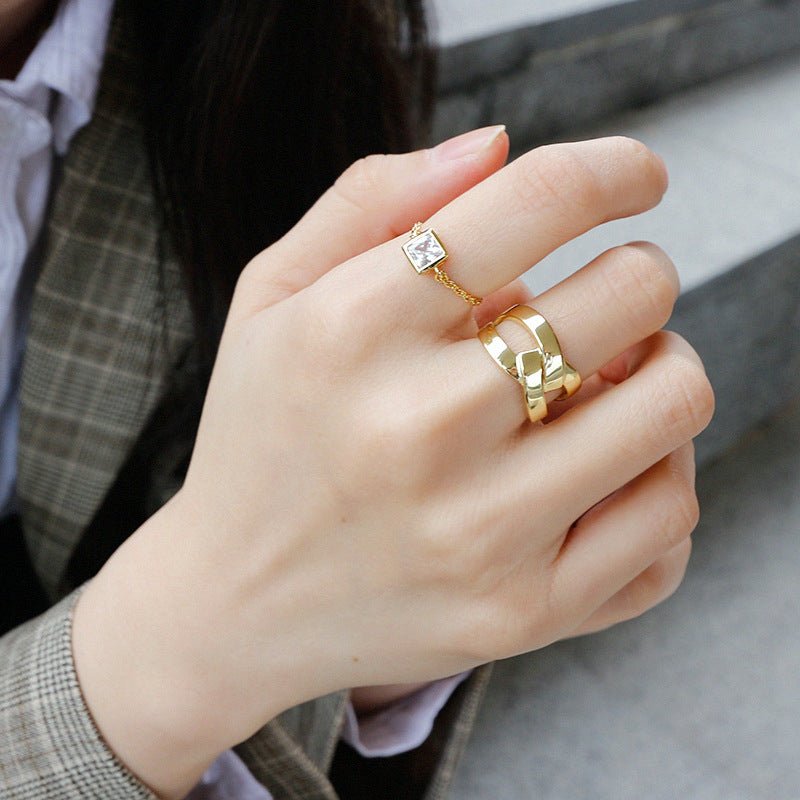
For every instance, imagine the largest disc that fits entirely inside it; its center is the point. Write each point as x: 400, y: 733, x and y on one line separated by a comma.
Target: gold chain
x: 445, y: 279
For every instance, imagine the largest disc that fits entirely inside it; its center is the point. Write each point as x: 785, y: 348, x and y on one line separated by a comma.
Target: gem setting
x: 425, y: 251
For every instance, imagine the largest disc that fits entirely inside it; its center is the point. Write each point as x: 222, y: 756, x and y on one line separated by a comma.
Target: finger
x: 605, y: 442
x: 607, y: 376
x: 658, y: 582
x: 593, y: 386
x: 375, y: 200
x: 621, y: 298
x: 495, y: 304
x: 500, y: 228
x: 614, y: 545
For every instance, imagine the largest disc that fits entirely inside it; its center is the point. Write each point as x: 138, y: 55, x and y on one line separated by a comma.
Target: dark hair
x: 254, y: 107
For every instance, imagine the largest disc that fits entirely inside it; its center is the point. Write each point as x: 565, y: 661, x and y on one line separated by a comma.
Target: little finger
x: 658, y: 582
x: 616, y: 542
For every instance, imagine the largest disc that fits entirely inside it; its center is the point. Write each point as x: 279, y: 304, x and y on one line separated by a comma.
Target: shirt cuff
x: 404, y: 725
x: 228, y: 779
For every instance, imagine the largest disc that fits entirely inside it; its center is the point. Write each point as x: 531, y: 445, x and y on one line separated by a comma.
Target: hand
x: 367, y: 502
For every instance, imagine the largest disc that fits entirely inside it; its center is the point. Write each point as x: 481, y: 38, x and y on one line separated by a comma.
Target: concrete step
x: 545, y: 66
x: 696, y: 700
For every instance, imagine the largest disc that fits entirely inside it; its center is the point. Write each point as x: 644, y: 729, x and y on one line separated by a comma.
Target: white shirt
x: 40, y: 111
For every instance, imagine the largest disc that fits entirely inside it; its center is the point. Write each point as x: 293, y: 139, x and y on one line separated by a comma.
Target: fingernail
x: 466, y: 144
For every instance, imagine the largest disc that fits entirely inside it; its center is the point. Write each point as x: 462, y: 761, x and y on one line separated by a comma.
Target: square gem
x: 425, y: 251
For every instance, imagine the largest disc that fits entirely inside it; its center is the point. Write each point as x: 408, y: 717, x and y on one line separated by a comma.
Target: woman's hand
x: 367, y: 502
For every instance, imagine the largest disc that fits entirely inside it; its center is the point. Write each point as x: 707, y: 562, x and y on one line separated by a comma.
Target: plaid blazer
x: 99, y: 359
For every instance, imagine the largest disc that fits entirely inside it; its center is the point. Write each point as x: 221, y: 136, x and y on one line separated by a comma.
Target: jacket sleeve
x: 50, y: 748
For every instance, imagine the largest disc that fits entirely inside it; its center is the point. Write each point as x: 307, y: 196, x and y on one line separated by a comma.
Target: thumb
x: 374, y: 200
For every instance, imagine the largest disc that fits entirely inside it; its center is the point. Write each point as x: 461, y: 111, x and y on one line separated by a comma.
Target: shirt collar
x: 68, y: 59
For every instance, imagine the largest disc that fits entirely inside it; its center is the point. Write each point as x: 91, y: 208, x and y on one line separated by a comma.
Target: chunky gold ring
x: 558, y: 372
x: 425, y: 251
x: 502, y: 354
x: 539, y: 370
x: 526, y: 367
x: 530, y: 367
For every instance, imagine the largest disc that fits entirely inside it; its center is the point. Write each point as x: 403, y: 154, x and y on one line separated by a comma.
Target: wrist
x: 135, y: 654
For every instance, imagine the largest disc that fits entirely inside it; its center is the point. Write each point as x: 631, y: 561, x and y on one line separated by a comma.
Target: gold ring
x: 530, y: 367
x: 539, y: 370
x: 425, y: 251
x: 558, y: 372
x: 502, y: 354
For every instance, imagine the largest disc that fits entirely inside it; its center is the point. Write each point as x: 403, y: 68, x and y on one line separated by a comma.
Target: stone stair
x: 714, y: 88
x: 699, y: 699
x: 547, y: 67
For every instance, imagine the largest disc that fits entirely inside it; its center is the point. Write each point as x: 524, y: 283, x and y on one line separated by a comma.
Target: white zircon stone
x: 425, y: 251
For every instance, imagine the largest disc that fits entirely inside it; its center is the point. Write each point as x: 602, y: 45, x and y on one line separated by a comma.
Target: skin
x: 367, y: 504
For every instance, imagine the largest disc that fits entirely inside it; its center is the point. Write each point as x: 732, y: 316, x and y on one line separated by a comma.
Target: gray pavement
x: 700, y: 698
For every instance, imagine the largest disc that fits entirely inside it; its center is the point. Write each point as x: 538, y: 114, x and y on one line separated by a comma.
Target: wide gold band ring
x: 541, y: 369
x: 558, y: 373
x: 425, y: 251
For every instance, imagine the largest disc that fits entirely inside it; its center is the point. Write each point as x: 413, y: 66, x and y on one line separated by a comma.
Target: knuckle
x: 360, y: 184
x: 320, y: 336
x: 681, y: 554
x: 682, y: 512
x: 474, y: 634
x: 629, y: 147
x: 641, y: 282
x: 674, y: 509
x: 259, y: 276
x: 632, y: 150
x: 504, y: 614
x: 329, y: 331
x: 449, y: 558
x: 687, y: 397
x: 658, y: 581
x: 403, y: 447
x: 555, y: 177
x: 669, y: 571
x: 494, y: 631
x: 522, y: 617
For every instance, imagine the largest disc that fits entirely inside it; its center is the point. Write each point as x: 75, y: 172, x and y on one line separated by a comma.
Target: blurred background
x: 700, y: 698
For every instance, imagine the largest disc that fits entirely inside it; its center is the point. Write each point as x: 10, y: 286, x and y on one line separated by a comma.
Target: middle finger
x: 619, y: 299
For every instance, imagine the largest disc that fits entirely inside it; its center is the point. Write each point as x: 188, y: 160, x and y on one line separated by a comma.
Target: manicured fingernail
x: 467, y: 144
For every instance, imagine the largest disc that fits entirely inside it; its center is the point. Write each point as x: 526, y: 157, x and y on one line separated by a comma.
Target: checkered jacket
x: 95, y: 369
